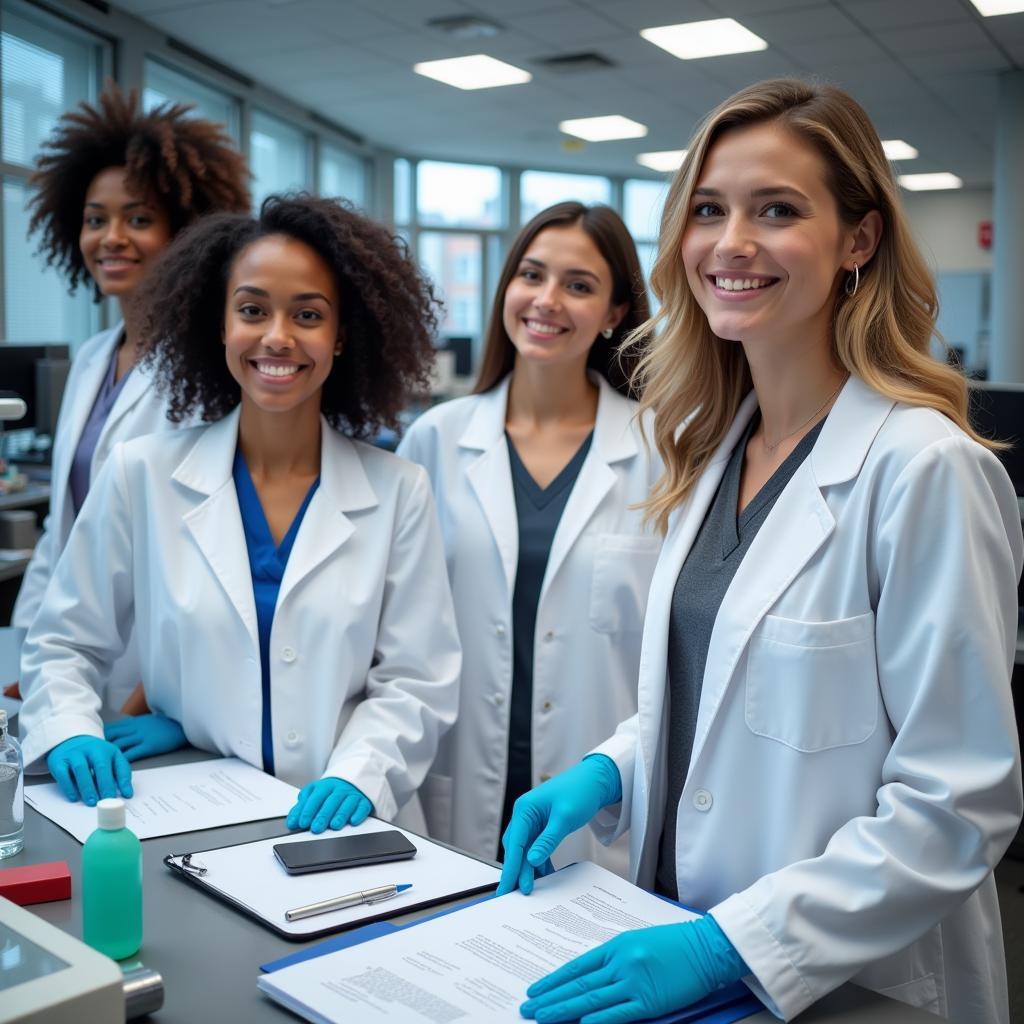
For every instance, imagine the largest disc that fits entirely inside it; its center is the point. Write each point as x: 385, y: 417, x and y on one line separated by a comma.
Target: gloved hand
x: 84, y: 764
x: 329, y: 802
x: 638, y: 974
x: 542, y: 818
x: 145, y: 735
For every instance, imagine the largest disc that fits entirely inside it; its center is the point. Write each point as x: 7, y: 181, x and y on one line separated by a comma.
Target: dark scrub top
x: 717, y: 551
x: 81, y: 463
x: 539, y: 510
x: 267, y: 563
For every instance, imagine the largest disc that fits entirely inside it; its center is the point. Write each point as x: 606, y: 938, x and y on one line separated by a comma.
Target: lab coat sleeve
x: 83, y: 623
x: 412, y: 696
x: 611, y: 822
x: 947, y: 552
x: 37, y: 575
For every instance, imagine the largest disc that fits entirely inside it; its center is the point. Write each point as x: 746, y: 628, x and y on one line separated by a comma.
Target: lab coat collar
x: 613, y: 437
x: 848, y: 432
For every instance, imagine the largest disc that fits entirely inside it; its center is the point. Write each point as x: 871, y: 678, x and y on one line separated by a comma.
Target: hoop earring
x: 855, y: 277
x: 607, y: 333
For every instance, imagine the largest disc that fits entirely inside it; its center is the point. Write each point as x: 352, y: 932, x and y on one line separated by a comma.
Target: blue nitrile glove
x: 84, y: 764
x: 638, y: 974
x: 544, y: 816
x: 329, y: 802
x: 145, y: 735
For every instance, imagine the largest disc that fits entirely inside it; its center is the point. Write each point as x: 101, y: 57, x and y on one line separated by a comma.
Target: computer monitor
x: 37, y: 373
x: 463, y: 349
x: 997, y: 411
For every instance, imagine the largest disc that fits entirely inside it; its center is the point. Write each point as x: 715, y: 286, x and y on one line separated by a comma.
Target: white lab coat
x: 855, y: 773
x: 138, y: 410
x: 365, y: 657
x: 589, y: 618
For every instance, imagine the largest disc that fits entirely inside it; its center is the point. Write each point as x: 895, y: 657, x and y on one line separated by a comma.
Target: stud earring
x: 855, y: 278
x: 607, y: 333
x: 337, y: 350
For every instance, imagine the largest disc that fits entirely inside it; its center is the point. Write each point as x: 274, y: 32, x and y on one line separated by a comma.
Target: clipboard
x: 725, y: 1006
x: 249, y: 879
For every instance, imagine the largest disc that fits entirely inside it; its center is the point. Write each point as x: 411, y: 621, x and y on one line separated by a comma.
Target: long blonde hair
x: 882, y: 333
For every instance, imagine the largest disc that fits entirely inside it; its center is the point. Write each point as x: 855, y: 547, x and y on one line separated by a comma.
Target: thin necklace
x: 770, y: 448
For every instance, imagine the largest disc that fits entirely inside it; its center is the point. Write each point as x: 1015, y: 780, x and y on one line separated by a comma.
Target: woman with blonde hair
x: 825, y: 756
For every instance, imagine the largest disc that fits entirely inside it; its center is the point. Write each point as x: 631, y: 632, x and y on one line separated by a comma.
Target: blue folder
x: 732, y: 1003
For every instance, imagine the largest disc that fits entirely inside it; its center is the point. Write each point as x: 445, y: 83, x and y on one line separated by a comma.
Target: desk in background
x: 209, y: 955
x: 36, y: 496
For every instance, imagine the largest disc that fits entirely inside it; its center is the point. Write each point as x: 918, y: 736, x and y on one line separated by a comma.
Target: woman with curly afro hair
x: 286, y: 580
x: 114, y: 185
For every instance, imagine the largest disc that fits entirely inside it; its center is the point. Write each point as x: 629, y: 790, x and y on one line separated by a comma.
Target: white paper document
x: 473, y: 965
x: 178, y: 798
x: 252, y: 875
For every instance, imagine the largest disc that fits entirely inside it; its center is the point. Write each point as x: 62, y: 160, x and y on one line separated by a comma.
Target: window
x: 46, y: 68
x: 453, y: 261
x: 403, y: 191
x: 641, y: 207
x: 342, y: 174
x: 278, y: 157
x: 463, y: 195
x: 165, y: 85
x: 540, y: 189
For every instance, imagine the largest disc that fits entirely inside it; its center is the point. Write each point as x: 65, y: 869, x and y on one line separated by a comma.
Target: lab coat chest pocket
x: 813, y: 685
x: 620, y: 579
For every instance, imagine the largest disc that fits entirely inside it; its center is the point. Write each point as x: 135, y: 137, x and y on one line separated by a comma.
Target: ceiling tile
x: 889, y: 14
x: 947, y: 37
x: 787, y: 27
x: 956, y: 62
x: 639, y: 14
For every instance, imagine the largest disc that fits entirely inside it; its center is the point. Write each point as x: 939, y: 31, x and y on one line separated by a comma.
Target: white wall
x: 946, y: 227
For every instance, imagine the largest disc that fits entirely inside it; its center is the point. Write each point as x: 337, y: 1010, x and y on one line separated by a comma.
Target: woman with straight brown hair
x: 825, y: 757
x: 536, y: 476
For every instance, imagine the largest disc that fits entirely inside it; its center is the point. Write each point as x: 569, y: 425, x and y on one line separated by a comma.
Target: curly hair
x: 387, y: 323
x: 186, y: 164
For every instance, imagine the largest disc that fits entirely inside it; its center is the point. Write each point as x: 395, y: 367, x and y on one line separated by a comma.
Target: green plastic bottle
x: 112, y: 884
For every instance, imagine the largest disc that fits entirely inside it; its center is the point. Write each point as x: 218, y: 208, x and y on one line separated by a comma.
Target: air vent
x: 573, y: 62
x: 465, y: 26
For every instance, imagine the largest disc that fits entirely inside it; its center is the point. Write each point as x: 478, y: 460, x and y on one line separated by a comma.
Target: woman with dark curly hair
x: 286, y: 581
x: 536, y: 476
x: 114, y: 185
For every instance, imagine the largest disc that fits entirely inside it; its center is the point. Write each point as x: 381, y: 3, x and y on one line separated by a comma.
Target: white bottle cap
x: 110, y: 814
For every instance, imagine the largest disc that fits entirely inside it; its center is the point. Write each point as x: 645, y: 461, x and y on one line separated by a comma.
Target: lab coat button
x: 702, y: 800
x: 545, y: 777
x: 500, y: 630
x: 288, y: 654
x: 549, y: 636
x: 499, y: 699
x: 292, y: 738
x: 546, y: 706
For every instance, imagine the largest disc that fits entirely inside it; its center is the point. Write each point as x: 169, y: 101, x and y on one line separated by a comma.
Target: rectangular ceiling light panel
x: 476, y: 72
x: 697, y: 39
x: 603, y: 129
x: 929, y: 182
x: 897, y: 149
x: 990, y: 8
x: 665, y: 160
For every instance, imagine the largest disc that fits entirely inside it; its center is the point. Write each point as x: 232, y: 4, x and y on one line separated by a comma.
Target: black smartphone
x: 344, y: 852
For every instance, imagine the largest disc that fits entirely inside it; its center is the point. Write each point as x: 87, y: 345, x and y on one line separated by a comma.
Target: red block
x: 36, y: 883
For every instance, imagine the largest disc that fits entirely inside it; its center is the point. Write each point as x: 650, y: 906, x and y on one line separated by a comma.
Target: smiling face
x: 764, y: 246
x: 280, y: 323
x: 123, y: 234
x: 560, y: 297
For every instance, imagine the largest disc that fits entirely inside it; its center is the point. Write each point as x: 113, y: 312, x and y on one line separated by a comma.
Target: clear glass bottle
x: 112, y: 884
x: 12, y: 793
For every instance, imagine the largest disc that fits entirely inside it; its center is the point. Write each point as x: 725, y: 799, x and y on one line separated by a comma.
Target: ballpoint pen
x: 353, y: 899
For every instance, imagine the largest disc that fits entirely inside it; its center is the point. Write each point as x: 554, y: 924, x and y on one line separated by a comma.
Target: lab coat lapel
x: 797, y: 526
x: 216, y: 521
x: 139, y: 381
x: 490, y: 476
x: 613, y: 442
x: 343, y: 488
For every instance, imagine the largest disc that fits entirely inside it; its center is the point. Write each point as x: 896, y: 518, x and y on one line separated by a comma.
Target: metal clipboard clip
x: 192, y: 868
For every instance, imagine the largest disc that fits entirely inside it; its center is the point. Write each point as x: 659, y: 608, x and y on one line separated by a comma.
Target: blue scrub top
x: 81, y: 462
x: 267, y: 563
